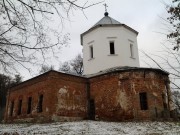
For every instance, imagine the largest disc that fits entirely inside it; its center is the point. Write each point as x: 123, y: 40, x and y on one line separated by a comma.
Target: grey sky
x: 141, y: 15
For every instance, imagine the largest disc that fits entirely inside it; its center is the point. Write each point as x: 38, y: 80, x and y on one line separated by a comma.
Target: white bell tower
x: 109, y: 44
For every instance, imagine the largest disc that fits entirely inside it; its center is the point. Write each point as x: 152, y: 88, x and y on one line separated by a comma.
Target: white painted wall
x: 99, y: 38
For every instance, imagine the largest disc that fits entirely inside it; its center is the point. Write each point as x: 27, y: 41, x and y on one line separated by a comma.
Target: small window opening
x: 19, y: 107
x: 91, y: 109
x: 12, y: 108
x: 40, y: 104
x: 112, y: 50
x: 91, y: 52
x: 132, y: 50
x: 143, y: 100
x: 29, y: 105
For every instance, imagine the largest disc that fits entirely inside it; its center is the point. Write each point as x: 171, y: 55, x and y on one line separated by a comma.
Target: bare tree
x: 77, y: 64
x: 5, y: 83
x: 169, y: 61
x: 25, y: 35
x: 176, y: 97
x: 65, y: 67
x: 174, y: 21
x: 45, y: 68
x: 74, y: 66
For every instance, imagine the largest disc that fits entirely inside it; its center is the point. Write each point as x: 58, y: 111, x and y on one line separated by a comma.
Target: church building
x: 113, y: 88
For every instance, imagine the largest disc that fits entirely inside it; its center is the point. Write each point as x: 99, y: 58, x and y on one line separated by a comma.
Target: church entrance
x: 91, y: 109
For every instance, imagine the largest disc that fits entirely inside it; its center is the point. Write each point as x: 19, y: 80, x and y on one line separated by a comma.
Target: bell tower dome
x: 109, y: 44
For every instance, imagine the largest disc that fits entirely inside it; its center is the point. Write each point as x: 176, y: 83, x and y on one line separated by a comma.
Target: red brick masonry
x: 112, y: 95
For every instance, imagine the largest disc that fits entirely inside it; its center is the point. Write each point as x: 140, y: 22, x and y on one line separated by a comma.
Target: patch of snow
x: 93, y: 128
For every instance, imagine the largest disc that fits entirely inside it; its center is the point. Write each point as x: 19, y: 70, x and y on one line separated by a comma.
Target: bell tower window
x: 112, y: 49
x: 91, y: 52
x: 131, y: 51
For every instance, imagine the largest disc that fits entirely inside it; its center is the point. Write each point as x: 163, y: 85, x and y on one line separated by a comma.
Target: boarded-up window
x: 11, y: 108
x: 29, y: 105
x: 40, y: 104
x: 143, y: 100
x: 19, y: 107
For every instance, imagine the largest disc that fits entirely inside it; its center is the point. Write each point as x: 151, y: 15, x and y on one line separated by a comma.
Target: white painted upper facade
x: 107, y: 45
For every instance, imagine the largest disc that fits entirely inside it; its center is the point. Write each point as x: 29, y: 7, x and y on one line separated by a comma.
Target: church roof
x: 45, y: 75
x: 105, y: 22
x: 123, y: 69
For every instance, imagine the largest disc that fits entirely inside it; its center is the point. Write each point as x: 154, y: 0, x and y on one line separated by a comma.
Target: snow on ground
x: 92, y: 128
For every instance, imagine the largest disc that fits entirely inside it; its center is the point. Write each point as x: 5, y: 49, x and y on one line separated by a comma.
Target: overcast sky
x: 142, y: 15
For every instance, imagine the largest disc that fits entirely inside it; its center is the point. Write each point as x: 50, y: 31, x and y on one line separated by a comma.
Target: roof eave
x: 127, y: 69
x: 106, y: 25
x: 46, y: 74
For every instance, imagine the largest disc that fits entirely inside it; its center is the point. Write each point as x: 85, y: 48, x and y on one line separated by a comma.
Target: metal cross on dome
x: 105, y: 5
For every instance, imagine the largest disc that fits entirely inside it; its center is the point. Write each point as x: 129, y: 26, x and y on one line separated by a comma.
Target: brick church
x: 113, y: 88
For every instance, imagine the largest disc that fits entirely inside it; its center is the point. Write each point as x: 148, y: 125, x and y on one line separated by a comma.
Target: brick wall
x: 63, y: 95
x: 116, y: 95
x: 113, y: 96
